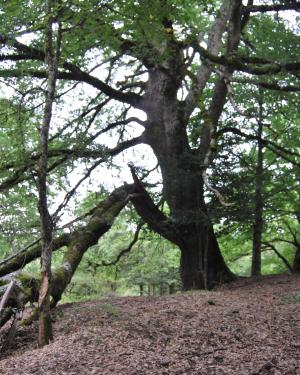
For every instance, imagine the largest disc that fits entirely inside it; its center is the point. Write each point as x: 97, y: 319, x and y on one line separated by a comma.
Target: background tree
x: 236, y: 168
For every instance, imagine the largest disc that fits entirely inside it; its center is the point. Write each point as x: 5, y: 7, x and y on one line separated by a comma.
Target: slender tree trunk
x: 141, y: 289
x: 153, y: 290
x: 296, y: 262
x: 259, y: 203
x: 45, y: 327
x: 161, y: 289
x: 171, y: 288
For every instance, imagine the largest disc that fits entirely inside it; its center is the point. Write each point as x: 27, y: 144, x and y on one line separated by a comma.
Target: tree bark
x: 20, y: 259
x: 51, y: 60
x: 259, y: 201
x: 202, y: 265
x: 141, y: 289
x: 296, y: 262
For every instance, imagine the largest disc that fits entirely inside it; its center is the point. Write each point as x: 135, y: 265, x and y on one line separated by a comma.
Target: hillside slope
x: 248, y: 327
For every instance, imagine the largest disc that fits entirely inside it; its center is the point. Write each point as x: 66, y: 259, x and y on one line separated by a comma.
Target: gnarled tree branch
x: 271, y: 8
x: 78, y: 242
x: 150, y: 213
x: 72, y: 72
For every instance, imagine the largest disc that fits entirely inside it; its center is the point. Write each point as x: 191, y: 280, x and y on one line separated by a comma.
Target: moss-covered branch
x: 22, y: 258
x: 100, y: 222
x: 78, y: 243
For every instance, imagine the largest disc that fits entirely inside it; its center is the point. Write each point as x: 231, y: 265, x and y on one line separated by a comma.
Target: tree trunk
x: 161, y: 289
x: 202, y: 265
x: 259, y: 204
x: 171, y: 288
x: 182, y: 167
x: 45, y: 327
x: 153, y: 289
x: 296, y: 262
x: 141, y: 289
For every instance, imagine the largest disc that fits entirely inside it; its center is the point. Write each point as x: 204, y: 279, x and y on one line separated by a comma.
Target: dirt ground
x: 249, y: 327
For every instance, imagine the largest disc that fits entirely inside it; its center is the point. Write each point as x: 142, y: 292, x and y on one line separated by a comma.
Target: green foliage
x: 116, y: 38
x: 152, y: 261
x: 269, y: 32
x: 18, y: 136
x: 234, y: 175
x: 294, y: 298
x: 18, y: 206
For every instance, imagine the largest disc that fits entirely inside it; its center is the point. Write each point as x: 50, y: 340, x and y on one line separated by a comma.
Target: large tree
x: 175, y: 61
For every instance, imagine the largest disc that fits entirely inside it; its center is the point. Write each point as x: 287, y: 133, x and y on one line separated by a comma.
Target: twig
x: 128, y: 249
x: 272, y: 247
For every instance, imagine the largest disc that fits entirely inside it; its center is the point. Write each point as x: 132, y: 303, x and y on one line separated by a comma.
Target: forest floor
x: 251, y: 326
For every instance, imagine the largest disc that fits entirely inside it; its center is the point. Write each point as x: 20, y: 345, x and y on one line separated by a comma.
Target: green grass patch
x: 105, y: 308
x: 291, y: 298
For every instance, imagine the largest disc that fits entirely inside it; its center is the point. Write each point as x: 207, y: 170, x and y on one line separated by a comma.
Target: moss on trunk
x: 78, y: 243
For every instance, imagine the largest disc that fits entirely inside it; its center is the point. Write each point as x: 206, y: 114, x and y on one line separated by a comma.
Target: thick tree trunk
x: 202, y: 265
x: 182, y: 167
